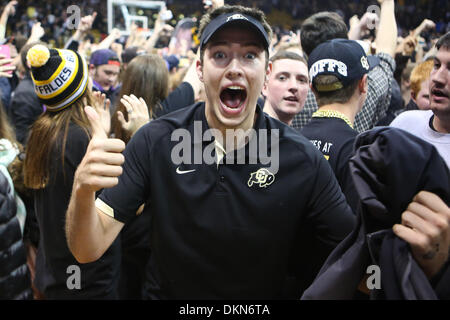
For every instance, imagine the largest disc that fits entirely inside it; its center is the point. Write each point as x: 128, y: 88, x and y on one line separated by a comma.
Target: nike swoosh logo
x: 184, y: 171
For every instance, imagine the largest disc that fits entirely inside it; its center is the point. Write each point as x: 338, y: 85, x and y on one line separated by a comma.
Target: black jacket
x: 14, y: 275
x: 389, y: 168
x: 25, y: 108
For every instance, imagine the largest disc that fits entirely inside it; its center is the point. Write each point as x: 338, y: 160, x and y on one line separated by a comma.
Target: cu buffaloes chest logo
x: 262, y: 177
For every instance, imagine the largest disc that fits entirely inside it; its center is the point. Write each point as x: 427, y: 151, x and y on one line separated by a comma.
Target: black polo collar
x: 197, y: 133
x: 200, y: 115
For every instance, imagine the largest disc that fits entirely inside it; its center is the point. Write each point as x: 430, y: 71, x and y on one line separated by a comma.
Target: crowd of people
x: 224, y: 157
x: 282, y: 14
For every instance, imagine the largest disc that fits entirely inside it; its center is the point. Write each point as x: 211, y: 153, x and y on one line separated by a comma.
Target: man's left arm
x: 380, y: 78
x: 328, y: 210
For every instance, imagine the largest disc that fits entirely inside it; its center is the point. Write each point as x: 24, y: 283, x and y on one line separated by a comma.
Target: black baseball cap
x: 233, y: 18
x: 342, y: 58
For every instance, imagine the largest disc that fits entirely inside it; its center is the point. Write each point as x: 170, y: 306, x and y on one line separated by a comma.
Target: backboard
x: 121, y: 14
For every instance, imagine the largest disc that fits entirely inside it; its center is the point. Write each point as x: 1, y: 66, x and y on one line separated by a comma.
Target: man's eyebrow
x: 253, y: 44
x: 218, y: 43
x: 245, y: 44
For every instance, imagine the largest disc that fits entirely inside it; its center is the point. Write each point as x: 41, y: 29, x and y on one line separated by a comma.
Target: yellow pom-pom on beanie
x: 38, y: 55
x: 60, y: 76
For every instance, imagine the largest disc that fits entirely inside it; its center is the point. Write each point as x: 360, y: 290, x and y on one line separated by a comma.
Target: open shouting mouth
x: 233, y: 99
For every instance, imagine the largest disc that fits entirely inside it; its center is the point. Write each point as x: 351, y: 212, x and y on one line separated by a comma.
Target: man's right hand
x: 102, y: 163
x: 86, y: 22
x: 37, y: 32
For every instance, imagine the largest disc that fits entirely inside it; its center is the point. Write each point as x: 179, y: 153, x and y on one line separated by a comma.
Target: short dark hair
x: 254, y: 13
x: 338, y: 96
x: 444, y: 41
x: 321, y: 27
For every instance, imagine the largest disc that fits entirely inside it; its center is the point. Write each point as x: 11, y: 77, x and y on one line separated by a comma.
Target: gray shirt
x: 417, y: 122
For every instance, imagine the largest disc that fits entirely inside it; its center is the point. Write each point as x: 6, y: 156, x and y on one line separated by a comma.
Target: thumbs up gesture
x: 102, y: 163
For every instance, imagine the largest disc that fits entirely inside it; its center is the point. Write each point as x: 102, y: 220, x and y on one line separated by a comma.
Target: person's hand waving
x: 137, y: 111
x: 101, y: 105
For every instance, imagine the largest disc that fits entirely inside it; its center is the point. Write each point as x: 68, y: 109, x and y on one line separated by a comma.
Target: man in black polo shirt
x: 225, y: 228
x: 338, y: 69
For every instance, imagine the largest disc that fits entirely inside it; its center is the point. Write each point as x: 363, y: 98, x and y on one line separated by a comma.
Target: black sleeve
x: 329, y: 221
x: 179, y: 98
x: 344, y: 176
x: 72, y: 45
x: 329, y: 213
x: 441, y: 280
x: 25, y: 109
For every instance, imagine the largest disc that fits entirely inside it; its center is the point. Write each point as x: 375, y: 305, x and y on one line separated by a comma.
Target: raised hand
x: 133, y: 27
x: 101, y: 105
x: 428, y: 24
x: 409, y: 44
x: 115, y: 34
x: 137, y: 111
x: 368, y: 20
x: 37, y: 32
x: 102, y: 163
x: 5, y: 70
x: 10, y: 9
x: 86, y: 22
x: 213, y: 4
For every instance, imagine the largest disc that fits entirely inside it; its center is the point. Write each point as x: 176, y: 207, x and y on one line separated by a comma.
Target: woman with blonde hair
x: 57, y: 144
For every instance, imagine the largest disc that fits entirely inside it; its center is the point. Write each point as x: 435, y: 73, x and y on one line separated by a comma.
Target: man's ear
x: 199, y: 68
x: 363, y: 84
x: 268, y: 71
x: 413, y: 96
x: 264, y: 89
x: 91, y: 70
x: 311, y: 87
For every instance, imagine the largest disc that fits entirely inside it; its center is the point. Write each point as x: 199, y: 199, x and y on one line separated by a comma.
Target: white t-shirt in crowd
x: 417, y: 122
